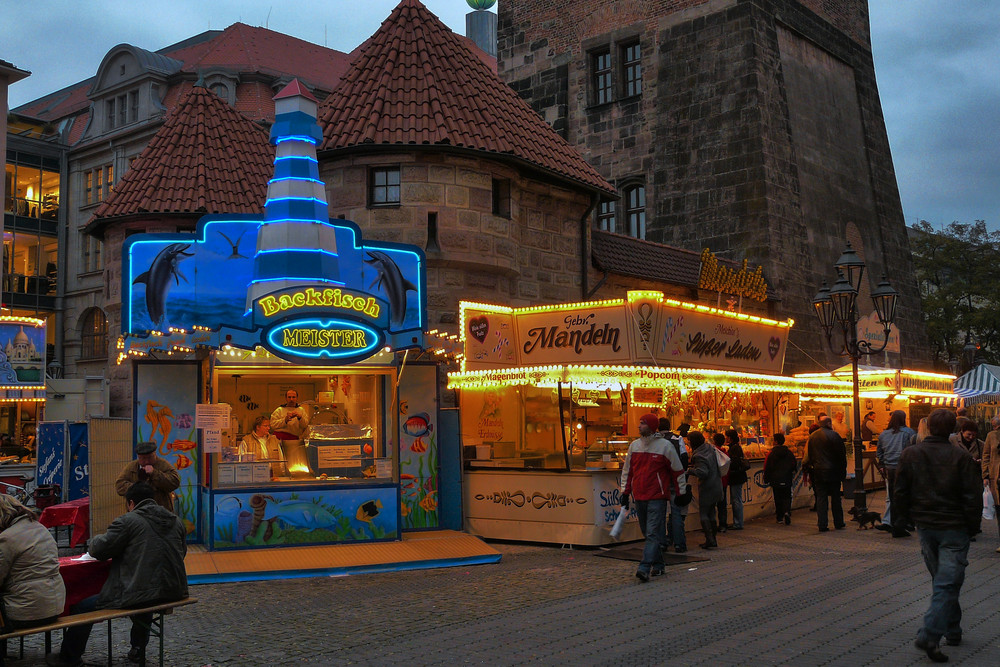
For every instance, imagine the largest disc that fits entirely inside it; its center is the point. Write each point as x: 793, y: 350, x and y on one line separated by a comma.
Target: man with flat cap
x: 150, y: 468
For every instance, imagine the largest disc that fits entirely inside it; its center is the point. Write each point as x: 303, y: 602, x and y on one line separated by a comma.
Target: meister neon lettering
x: 323, y: 338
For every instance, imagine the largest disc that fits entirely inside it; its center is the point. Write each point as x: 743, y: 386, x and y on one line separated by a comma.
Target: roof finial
x: 200, y: 83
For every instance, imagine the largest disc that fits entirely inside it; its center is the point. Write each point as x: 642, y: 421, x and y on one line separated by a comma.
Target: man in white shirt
x: 290, y: 420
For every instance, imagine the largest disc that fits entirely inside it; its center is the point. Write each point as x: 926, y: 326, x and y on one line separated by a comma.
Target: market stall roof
x: 980, y: 385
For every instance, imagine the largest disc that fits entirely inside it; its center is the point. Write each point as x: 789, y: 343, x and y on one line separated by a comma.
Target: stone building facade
x: 752, y: 128
x: 529, y: 254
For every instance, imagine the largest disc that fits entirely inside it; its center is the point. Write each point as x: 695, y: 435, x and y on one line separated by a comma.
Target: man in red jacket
x: 651, y: 476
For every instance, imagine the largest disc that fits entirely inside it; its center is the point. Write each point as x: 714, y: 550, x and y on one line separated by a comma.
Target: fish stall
x: 290, y: 317
x: 551, y: 396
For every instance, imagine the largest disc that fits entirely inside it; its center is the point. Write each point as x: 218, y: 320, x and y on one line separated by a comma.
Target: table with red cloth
x: 75, y: 513
x: 82, y: 578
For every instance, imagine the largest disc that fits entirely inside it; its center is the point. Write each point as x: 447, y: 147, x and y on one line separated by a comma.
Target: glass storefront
x: 338, y: 433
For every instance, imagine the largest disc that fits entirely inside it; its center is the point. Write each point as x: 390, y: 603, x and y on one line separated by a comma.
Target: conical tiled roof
x: 418, y: 83
x: 205, y: 158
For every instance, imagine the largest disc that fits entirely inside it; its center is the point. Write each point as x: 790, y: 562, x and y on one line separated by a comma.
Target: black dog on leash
x: 865, y: 518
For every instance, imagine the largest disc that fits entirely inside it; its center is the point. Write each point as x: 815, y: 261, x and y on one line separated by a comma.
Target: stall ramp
x: 110, y: 449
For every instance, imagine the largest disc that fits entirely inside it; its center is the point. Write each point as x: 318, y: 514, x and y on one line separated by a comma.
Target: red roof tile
x: 239, y: 47
x: 247, y: 48
x: 206, y: 158
x: 294, y: 89
x: 628, y: 256
x: 416, y: 82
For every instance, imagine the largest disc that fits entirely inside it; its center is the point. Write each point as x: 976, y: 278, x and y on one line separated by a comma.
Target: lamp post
x: 838, y: 305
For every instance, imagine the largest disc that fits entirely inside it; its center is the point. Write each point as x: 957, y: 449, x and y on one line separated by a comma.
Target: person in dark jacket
x: 651, y: 476
x: 738, y: 467
x: 147, y: 548
x: 705, y: 467
x: 675, y: 522
x: 826, y: 457
x: 779, y: 472
x: 150, y: 468
x: 938, y: 488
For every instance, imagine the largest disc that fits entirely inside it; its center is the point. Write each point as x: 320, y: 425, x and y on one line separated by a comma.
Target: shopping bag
x: 989, y: 511
x: 616, y: 530
x: 723, y: 460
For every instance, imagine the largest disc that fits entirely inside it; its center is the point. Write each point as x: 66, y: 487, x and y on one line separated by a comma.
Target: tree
x: 958, y: 273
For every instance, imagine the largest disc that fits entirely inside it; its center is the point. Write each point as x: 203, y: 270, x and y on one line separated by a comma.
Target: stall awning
x: 980, y: 385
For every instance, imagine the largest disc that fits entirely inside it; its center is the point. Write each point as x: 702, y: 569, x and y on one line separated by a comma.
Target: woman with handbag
x: 705, y: 467
x: 737, y: 477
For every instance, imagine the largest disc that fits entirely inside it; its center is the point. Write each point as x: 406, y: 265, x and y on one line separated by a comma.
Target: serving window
x: 558, y: 428
x: 345, y: 437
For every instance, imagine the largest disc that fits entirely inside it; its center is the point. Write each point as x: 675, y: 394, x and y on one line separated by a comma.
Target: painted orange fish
x: 182, y: 445
x: 429, y: 502
x: 404, y: 509
x: 418, y: 446
x: 182, y: 462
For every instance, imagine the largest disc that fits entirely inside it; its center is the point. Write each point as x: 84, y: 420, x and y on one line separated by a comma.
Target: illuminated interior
x: 347, y: 435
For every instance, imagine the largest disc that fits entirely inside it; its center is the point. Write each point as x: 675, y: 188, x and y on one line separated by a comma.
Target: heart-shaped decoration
x: 773, y: 346
x: 479, y: 327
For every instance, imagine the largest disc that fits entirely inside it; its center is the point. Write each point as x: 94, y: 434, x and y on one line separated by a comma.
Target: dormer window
x: 121, y: 110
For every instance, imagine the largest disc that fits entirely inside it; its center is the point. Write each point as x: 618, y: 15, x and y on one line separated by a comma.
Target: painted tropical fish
x: 418, y: 425
x: 429, y: 502
x: 392, y: 282
x: 301, y: 514
x: 369, y: 510
x: 182, y: 462
x: 163, y: 267
x: 182, y: 445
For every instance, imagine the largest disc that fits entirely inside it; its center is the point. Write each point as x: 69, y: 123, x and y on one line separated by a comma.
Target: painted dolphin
x: 392, y: 282
x: 235, y: 245
x: 301, y: 514
x: 157, y: 278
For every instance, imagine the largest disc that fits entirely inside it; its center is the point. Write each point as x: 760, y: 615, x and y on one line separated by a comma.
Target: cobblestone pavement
x: 771, y: 595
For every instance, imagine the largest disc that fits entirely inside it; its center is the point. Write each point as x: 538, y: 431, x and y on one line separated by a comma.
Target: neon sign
x: 320, y: 340
x: 312, y: 298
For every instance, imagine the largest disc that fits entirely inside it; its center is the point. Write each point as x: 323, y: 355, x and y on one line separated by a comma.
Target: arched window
x: 94, y: 335
x: 635, y: 211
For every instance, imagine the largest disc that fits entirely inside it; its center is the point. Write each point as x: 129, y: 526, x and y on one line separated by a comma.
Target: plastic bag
x: 616, y: 530
x: 989, y: 511
x: 723, y: 460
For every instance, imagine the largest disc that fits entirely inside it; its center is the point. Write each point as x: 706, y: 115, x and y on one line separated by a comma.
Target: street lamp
x: 839, y: 305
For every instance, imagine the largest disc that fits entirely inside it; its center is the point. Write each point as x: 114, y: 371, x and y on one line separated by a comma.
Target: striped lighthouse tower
x: 296, y: 244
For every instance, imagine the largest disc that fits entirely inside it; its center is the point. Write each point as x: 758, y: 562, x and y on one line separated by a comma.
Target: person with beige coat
x: 991, y: 464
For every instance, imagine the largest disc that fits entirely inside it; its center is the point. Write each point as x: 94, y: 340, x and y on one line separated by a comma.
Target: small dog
x: 865, y: 519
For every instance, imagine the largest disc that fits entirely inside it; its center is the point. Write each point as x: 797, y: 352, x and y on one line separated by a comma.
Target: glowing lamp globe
x: 481, y: 4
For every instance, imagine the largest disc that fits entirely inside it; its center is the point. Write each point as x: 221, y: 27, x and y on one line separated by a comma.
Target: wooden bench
x: 98, y: 616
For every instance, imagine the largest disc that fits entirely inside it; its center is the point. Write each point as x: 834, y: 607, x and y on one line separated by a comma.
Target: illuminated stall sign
x: 192, y: 289
x: 647, y: 329
x: 22, y: 353
x: 925, y: 383
x: 574, y: 335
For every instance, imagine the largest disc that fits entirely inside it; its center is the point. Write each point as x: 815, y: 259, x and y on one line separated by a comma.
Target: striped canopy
x: 980, y: 385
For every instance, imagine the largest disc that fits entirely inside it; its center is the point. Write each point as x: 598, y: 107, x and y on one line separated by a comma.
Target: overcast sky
x: 937, y: 66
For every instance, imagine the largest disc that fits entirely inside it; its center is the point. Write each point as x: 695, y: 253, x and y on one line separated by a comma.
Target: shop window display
x: 343, y: 436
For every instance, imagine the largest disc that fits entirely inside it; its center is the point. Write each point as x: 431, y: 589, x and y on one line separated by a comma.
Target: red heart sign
x: 773, y: 346
x: 479, y: 327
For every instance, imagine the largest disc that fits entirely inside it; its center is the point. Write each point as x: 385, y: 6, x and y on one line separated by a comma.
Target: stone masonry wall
x: 758, y: 134
x: 532, y: 257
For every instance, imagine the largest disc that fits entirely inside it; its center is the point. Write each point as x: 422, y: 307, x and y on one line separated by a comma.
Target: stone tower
x: 750, y: 127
